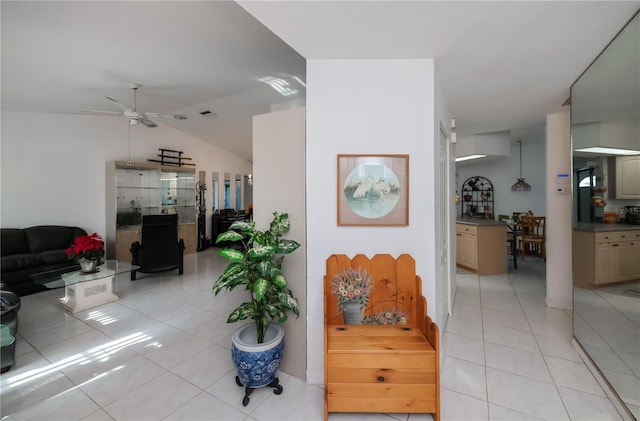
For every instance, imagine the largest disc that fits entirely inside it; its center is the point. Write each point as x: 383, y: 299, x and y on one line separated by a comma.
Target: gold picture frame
x: 373, y: 190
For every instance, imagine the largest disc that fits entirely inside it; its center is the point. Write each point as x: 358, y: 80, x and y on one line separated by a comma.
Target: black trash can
x: 7, y: 349
x: 9, y: 307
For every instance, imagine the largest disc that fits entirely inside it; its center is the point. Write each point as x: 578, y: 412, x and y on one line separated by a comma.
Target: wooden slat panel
x: 335, y: 339
x: 360, y: 261
x: 388, y: 346
x: 373, y: 375
x: 381, y: 390
x: 335, y: 264
x: 389, y: 405
x: 406, y: 284
x: 374, y: 360
x: 384, y: 294
x: 373, y: 330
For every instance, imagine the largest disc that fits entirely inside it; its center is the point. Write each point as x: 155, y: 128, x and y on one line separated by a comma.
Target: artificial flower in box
x: 86, y: 248
x: 352, y: 288
x: 386, y: 317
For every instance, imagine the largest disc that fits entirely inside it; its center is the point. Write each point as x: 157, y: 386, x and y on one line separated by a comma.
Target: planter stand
x: 249, y: 390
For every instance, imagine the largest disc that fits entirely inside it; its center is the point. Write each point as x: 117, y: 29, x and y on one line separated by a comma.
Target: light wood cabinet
x: 605, y: 257
x: 482, y: 248
x: 124, y: 239
x: 628, y: 177
x: 467, y: 247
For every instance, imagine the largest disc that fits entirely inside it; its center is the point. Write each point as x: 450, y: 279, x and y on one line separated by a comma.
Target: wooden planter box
x: 392, y: 368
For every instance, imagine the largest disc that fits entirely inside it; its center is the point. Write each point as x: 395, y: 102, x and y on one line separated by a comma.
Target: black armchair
x: 161, y: 250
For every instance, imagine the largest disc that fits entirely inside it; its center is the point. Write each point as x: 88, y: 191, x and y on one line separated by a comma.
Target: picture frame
x: 373, y: 190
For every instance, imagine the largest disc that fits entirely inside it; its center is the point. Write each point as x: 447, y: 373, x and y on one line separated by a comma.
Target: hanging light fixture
x: 521, y: 185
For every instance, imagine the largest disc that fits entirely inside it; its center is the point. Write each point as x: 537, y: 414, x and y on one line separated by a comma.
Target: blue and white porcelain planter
x: 257, y: 364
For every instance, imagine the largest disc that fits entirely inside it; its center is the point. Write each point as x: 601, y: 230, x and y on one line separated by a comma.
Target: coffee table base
x: 86, y: 295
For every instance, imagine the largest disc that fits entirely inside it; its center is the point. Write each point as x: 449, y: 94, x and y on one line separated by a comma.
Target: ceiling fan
x: 133, y: 115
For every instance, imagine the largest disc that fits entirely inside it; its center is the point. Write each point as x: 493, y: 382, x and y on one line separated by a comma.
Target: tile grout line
x: 553, y: 380
x: 484, y: 352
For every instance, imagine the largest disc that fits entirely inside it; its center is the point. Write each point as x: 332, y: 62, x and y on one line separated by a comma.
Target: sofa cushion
x: 18, y: 262
x: 52, y: 257
x: 48, y: 237
x: 13, y: 241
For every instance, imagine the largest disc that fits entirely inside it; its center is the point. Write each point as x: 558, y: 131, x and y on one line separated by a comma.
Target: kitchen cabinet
x: 628, y: 177
x: 605, y: 257
x: 481, y: 247
x: 467, y: 246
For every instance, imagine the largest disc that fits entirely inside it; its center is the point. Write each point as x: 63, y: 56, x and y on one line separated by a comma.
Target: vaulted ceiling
x: 502, y: 65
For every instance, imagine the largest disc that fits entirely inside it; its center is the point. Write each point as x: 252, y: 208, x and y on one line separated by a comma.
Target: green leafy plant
x: 257, y: 265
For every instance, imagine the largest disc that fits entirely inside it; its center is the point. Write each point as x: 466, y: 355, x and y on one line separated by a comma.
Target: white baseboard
x: 564, y: 304
x: 315, y: 377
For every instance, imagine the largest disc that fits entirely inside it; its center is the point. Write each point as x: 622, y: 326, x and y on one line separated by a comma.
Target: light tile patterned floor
x: 162, y: 352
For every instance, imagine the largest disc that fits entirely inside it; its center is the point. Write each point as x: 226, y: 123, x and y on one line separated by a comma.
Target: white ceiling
x: 502, y: 65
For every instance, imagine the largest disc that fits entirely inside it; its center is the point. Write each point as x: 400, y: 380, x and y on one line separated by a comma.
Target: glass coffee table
x: 84, y: 290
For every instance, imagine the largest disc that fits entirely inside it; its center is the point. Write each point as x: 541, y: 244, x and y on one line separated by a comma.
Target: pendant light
x: 521, y: 185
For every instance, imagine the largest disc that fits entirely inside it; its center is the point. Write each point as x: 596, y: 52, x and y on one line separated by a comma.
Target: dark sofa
x: 26, y: 251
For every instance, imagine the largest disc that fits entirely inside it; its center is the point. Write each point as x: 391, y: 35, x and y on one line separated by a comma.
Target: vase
x: 88, y: 265
x: 353, y: 313
x: 257, y: 364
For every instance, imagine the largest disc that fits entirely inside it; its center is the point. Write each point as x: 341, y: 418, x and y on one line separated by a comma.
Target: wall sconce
x: 250, y: 180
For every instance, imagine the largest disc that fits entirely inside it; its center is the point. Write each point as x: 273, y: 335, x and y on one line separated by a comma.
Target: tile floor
x: 162, y: 353
x: 607, y: 322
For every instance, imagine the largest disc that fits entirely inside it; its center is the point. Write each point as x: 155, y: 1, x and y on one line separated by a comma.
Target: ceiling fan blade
x: 99, y: 112
x: 121, y: 105
x: 162, y: 115
x: 147, y: 122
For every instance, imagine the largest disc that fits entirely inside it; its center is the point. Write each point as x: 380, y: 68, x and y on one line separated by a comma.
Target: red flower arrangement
x: 86, y: 246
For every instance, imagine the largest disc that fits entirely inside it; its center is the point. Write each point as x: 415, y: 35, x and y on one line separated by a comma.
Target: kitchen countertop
x: 604, y: 227
x: 480, y: 222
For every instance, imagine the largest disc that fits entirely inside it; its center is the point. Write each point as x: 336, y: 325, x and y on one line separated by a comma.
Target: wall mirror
x: 215, y: 190
x: 238, y: 192
x: 248, y: 190
x: 227, y: 190
x: 605, y: 131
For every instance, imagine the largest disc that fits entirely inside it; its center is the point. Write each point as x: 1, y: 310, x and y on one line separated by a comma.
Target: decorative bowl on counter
x: 611, y: 217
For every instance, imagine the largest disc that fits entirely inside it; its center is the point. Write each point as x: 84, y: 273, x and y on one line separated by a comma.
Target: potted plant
x: 352, y: 288
x: 87, y: 250
x: 257, y: 266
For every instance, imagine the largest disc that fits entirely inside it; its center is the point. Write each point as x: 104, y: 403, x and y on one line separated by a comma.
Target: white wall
x: 360, y: 107
x: 279, y: 180
x: 559, y: 228
x: 504, y: 172
x: 444, y: 292
x: 53, y: 165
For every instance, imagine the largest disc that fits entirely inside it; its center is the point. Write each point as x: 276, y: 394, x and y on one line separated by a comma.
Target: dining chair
x: 512, y: 239
x: 534, y: 236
